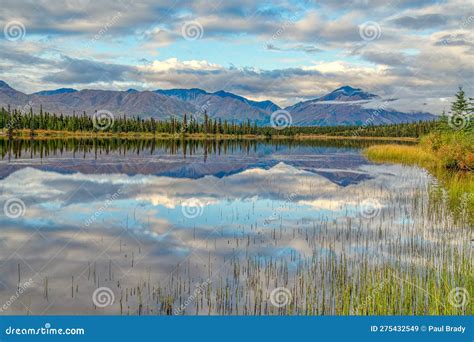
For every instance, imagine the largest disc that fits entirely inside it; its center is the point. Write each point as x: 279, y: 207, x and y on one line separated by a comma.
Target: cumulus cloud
x: 175, y: 64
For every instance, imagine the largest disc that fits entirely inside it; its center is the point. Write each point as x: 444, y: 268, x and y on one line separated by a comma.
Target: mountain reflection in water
x: 151, y: 221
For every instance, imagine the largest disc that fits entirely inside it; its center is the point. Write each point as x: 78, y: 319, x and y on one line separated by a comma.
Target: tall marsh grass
x: 447, y: 156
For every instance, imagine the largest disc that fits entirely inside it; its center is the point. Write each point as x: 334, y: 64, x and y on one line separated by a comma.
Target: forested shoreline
x: 13, y: 121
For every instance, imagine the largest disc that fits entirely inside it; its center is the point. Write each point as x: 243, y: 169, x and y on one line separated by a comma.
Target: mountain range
x: 343, y: 106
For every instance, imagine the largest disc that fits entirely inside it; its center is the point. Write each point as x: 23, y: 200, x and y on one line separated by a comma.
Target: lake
x: 147, y: 227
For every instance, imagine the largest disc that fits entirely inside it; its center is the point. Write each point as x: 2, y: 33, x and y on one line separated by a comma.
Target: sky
x: 416, y: 51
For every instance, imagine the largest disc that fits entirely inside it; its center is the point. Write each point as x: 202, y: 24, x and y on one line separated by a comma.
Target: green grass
x: 401, y: 154
x: 448, y: 156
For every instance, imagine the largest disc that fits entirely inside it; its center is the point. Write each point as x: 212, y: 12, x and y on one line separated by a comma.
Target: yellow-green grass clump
x: 448, y: 156
x: 408, y: 155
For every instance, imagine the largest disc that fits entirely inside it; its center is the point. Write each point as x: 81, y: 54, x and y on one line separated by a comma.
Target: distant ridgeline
x: 14, y: 120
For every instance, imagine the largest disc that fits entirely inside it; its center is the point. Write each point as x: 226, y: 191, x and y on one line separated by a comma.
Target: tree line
x: 18, y: 119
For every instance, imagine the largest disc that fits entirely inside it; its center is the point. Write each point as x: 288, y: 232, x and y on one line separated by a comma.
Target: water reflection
x: 334, y: 160
x: 152, y: 224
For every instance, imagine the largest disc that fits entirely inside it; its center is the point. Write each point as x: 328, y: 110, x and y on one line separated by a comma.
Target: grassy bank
x: 53, y: 134
x: 448, y: 156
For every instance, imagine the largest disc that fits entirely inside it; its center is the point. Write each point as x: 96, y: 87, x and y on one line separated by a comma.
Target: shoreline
x: 458, y: 182
x: 44, y: 135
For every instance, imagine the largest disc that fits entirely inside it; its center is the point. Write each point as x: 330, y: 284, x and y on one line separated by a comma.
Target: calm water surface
x: 199, y: 228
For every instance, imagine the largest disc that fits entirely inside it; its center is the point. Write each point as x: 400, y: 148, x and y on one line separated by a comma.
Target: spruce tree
x: 460, y: 105
x: 461, y: 112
